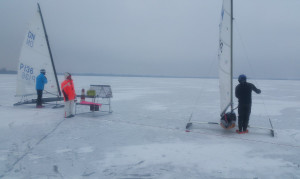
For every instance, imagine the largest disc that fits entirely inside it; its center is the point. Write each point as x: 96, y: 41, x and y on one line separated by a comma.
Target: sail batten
x: 34, y: 56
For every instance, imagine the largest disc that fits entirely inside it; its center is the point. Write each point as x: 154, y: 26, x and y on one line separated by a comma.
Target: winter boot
x: 246, y: 131
x: 239, y: 132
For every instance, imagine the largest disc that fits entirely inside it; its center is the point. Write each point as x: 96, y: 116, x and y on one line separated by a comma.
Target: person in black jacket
x: 243, y: 92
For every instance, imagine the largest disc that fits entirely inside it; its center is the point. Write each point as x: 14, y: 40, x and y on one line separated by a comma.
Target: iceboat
x: 225, y: 57
x: 36, y: 55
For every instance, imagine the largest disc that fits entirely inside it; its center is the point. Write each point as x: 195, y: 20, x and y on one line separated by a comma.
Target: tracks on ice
x: 204, y: 133
x: 30, y: 149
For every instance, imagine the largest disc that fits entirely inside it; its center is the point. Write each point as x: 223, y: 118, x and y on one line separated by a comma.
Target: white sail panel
x: 225, y: 56
x: 35, y: 56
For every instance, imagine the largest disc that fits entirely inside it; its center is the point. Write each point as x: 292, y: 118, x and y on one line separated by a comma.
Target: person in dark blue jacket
x: 243, y: 92
x: 41, y: 80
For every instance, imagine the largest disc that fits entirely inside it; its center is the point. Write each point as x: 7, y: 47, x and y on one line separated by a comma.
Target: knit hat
x: 242, y: 78
x: 67, y: 75
x: 43, y: 71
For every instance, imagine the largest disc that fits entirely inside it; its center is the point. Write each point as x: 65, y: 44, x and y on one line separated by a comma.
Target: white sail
x: 225, y: 71
x: 35, y: 56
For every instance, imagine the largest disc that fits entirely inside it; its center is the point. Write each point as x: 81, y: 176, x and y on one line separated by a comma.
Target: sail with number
x: 225, y: 56
x: 36, y: 55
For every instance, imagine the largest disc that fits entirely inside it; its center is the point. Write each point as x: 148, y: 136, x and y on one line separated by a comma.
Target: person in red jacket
x: 68, y: 91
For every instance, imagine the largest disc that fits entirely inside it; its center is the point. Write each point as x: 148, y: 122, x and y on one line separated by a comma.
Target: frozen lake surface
x: 145, y: 135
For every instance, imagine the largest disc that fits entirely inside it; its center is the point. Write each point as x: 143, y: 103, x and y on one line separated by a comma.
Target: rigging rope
x: 52, y: 93
x: 251, y: 68
x: 201, y: 90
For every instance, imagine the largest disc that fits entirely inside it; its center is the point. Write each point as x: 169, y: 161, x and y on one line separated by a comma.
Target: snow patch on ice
x: 275, y: 107
x: 289, y: 136
x: 34, y: 157
x: 86, y: 149
x: 3, y: 155
x: 155, y: 107
x: 205, y: 158
x: 63, y: 150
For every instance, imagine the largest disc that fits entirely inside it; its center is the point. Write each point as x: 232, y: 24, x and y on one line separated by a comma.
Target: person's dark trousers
x: 39, y: 97
x: 244, y: 114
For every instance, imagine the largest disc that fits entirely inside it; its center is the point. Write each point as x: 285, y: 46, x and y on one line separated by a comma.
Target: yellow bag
x: 91, y: 93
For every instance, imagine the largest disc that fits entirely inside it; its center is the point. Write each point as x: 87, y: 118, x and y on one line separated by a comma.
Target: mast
x: 49, y: 49
x: 231, y: 54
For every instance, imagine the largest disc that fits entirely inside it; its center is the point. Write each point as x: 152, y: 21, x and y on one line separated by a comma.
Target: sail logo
x: 30, y: 39
x: 222, y: 13
x: 221, y: 46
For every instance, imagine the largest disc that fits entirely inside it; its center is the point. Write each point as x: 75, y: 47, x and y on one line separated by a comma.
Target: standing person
x: 68, y: 90
x: 41, y: 80
x: 243, y: 92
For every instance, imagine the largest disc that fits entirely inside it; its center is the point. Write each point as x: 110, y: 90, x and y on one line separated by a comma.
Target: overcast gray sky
x: 158, y: 37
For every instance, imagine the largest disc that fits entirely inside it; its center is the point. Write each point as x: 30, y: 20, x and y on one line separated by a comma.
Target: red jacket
x: 68, y: 90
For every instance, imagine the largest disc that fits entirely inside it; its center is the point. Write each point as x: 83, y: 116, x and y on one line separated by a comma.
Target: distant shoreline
x: 145, y: 76
x: 129, y: 75
x: 5, y: 71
